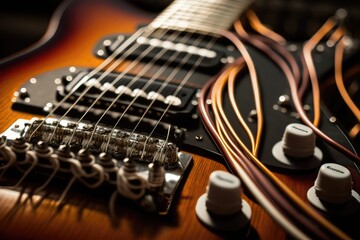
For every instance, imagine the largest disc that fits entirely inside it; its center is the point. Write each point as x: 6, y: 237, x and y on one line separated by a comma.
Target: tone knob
x: 222, y: 207
x: 298, y: 141
x: 332, y: 191
x: 297, y: 148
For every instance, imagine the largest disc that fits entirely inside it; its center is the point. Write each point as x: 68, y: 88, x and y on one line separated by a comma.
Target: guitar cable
x: 290, y: 194
x: 315, y: 215
x: 261, y: 180
x: 309, y: 64
x: 265, y: 189
x: 234, y: 164
x: 339, y: 52
x: 252, y: 40
x: 293, y: 83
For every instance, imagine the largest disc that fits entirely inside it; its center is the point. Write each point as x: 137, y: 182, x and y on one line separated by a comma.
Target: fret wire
x: 187, y: 24
x: 170, y: 10
x: 207, y: 22
x: 200, y: 21
x: 201, y: 14
x: 208, y: 18
x: 208, y: 9
x: 218, y: 7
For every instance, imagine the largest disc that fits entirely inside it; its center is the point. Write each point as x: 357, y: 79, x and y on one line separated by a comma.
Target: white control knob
x: 298, y: 141
x: 332, y: 190
x: 222, y: 207
x: 297, y: 148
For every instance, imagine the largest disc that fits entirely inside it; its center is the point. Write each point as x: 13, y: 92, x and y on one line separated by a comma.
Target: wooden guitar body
x: 70, y: 40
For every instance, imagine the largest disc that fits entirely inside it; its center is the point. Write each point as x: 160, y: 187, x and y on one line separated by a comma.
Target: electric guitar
x: 120, y: 91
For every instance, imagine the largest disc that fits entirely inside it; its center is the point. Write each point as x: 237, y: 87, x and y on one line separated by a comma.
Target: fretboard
x: 205, y: 16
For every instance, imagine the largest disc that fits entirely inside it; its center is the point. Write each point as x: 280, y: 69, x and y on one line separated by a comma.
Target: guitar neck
x: 206, y: 16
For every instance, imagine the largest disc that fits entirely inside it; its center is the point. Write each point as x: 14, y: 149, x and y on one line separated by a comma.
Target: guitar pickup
x: 40, y: 94
x: 208, y: 60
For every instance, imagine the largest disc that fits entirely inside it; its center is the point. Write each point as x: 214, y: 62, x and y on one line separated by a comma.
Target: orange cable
x: 286, y: 189
x: 339, y: 53
x: 308, y: 47
x: 262, y: 29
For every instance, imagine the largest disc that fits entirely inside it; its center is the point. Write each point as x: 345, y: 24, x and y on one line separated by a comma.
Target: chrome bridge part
x: 128, y: 159
x: 119, y: 143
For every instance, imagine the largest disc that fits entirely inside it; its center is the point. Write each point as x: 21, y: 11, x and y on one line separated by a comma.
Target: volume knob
x: 297, y: 148
x: 332, y: 191
x: 222, y: 207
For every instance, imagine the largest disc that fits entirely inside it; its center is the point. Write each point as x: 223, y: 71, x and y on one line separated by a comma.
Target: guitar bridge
x: 134, y: 165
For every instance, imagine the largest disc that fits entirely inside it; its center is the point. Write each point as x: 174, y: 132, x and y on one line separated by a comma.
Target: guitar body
x: 70, y: 41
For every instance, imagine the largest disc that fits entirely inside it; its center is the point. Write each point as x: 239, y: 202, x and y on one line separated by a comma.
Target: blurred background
x: 23, y: 22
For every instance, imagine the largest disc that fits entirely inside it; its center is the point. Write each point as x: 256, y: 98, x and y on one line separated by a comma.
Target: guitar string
x: 96, y: 70
x: 73, y: 90
x: 90, y: 75
x: 122, y: 74
x: 67, y: 188
x: 169, y: 78
x: 108, y: 60
x: 113, y: 197
x: 278, y: 60
x: 69, y: 111
x: 181, y: 85
x: 61, y: 198
x: 163, y: 86
x: 178, y: 89
x: 113, y: 66
x: 129, y: 106
x: 138, y: 76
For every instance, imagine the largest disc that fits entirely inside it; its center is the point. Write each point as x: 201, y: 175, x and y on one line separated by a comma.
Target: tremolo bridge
x: 135, y: 166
